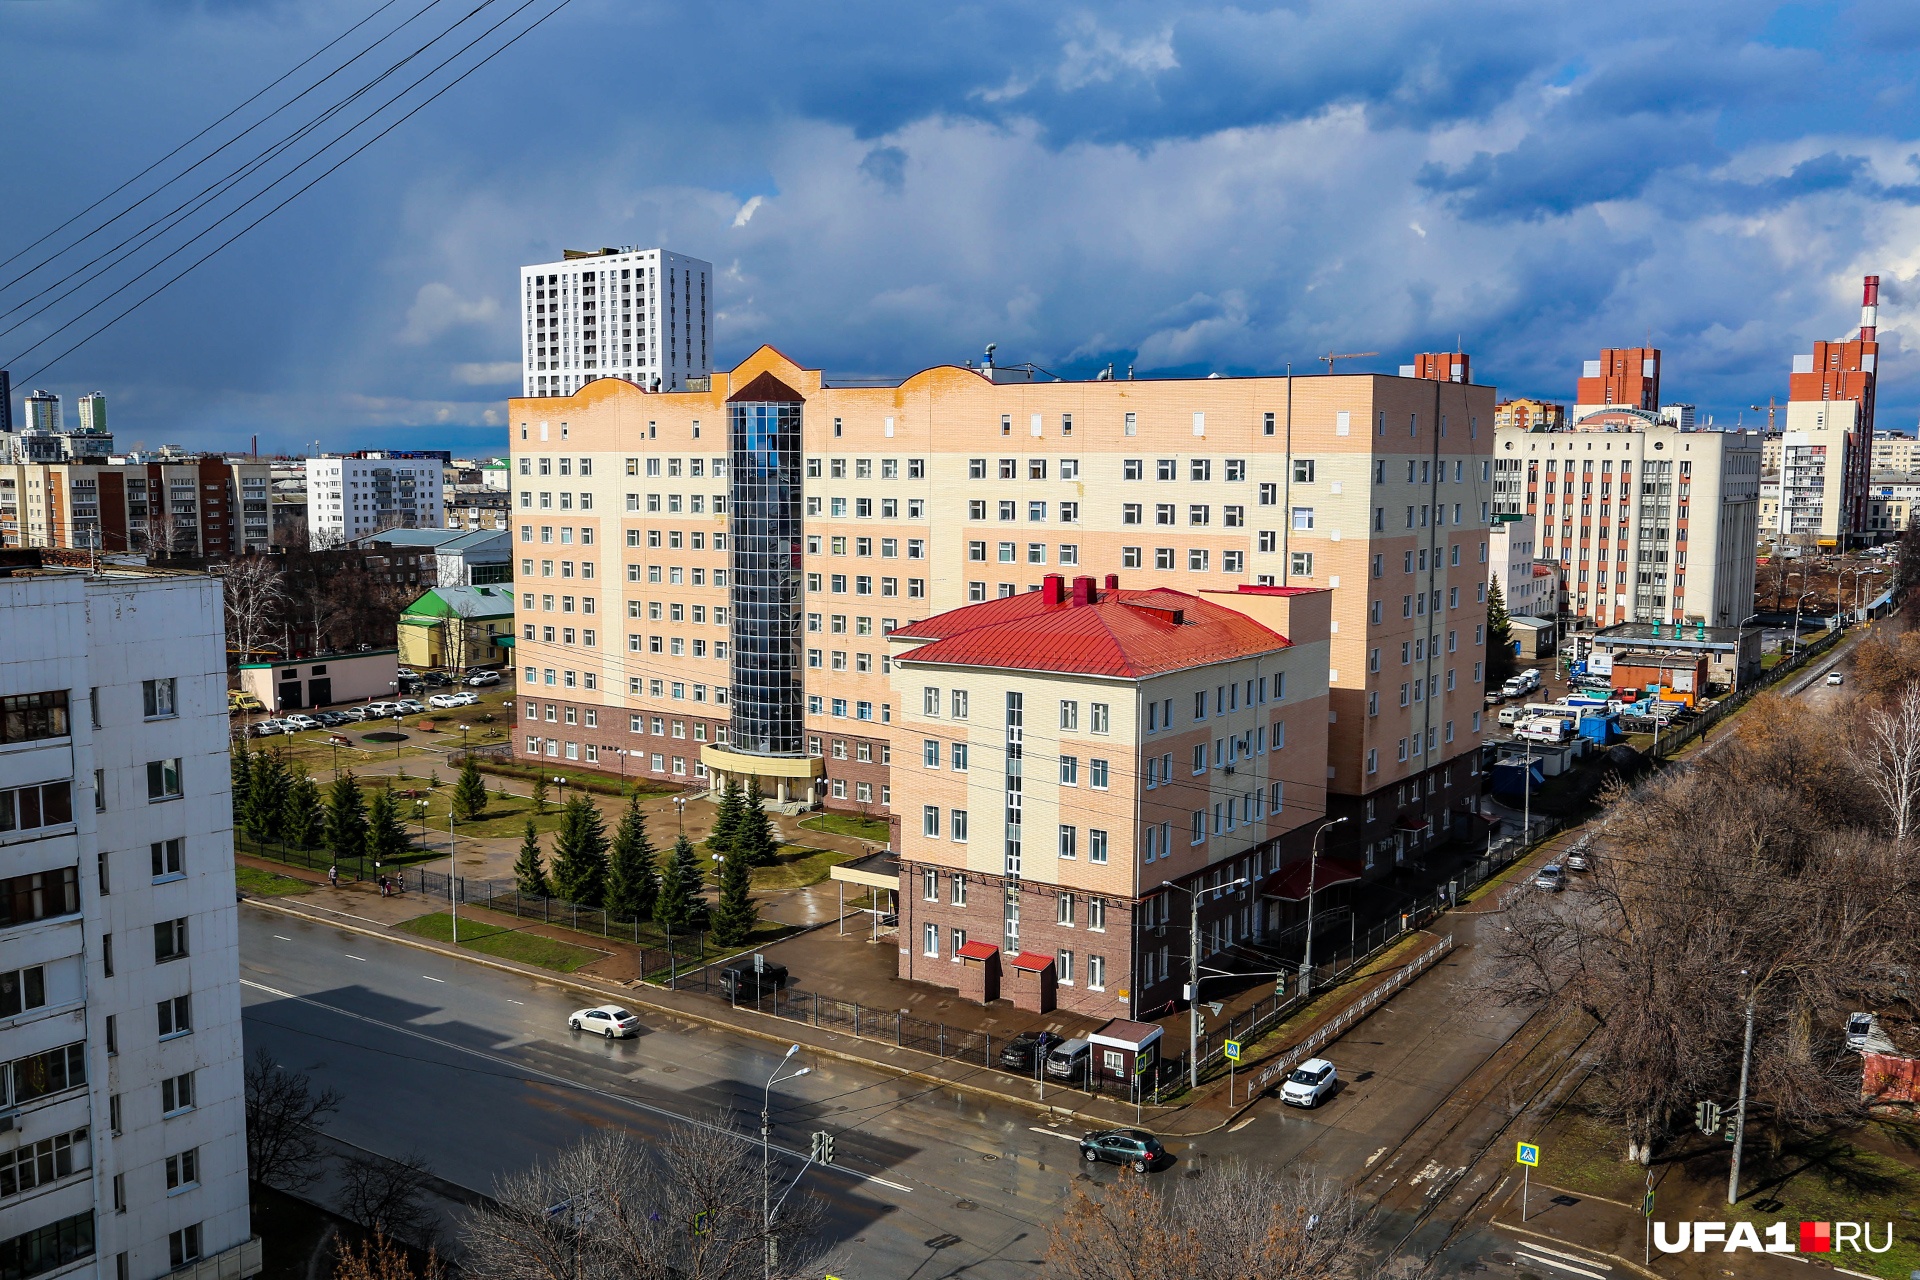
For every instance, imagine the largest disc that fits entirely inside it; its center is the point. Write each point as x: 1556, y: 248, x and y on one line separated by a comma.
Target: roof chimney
x: 1113, y: 582
x: 1870, y: 308
x: 1082, y: 591
x: 1053, y: 588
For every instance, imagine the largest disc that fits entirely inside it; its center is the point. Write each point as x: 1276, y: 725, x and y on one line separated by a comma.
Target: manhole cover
x: 1570, y: 1201
x: 383, y: 737
x: 988, y: 1155
x: 966, y: 1206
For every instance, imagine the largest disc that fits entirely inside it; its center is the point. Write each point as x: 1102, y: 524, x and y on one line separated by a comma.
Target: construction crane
x: 1770, y: 406
x: 1331, y: 356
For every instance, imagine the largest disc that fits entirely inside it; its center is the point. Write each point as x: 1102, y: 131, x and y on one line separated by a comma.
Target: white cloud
x: 489, y: 373
x: 747, y: 210
x: 437, y: 308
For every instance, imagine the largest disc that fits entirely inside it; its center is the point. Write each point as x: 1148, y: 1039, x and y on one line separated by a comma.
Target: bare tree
x: 256, y: 597
x: 1251, y: 1221
x: 382, y: 1259
x: 283, y: 1118
x: 1893, y: 759
x: 387, y: 1196
x: 611, y: 1209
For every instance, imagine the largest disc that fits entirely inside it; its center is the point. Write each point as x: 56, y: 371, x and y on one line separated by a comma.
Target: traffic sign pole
x: 1527, y: 1155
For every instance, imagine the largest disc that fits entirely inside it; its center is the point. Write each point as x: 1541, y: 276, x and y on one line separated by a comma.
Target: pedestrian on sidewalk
x: 333, y: 877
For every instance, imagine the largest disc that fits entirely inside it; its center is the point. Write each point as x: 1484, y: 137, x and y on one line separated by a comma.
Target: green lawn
x: 505, y: 943
x: 266, y: 884
x: 1841, y: 1178
x: 847, y: 824
x: 796, y: 866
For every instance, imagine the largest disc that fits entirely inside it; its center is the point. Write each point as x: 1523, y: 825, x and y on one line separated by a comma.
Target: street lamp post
x: 766, y: 1155
x: 1739, y: 639
x: 680, y: 808
x: 1740, y: 1108
x: 1193, y: 973
x: 1795, y: 653
x: 1313, y: 873
x: 453, y: 894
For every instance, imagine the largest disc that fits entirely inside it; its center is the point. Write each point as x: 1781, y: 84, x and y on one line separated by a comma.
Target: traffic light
x: 822, y: 1147
x: 1706, y: 1116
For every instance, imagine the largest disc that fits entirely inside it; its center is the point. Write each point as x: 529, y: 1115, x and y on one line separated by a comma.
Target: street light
x: 1796, y: 624
x: 766, y: 1158
x: 680, y: 807
x: 1739, y: 637
x: 1313, y: 871
x: 1193, y: 972
x: 1740, y: 1110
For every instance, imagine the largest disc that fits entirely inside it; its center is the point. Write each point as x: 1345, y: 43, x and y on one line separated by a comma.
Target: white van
x: 1548, y: 729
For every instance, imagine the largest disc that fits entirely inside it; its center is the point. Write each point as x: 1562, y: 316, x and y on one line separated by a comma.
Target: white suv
x: 1311, y: 1083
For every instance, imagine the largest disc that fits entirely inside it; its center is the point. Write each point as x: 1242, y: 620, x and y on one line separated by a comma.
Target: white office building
x: 354, y: 495
x: 637, y: 314
x: 123, y: 1154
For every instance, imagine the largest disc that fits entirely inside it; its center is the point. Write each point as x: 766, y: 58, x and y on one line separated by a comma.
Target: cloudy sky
x: 884, y: 186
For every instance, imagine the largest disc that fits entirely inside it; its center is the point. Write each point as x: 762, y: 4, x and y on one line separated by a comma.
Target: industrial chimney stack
x: 1870, y: 309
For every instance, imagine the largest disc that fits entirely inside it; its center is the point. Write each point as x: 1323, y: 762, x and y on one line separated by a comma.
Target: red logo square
x: 1816, y: 1237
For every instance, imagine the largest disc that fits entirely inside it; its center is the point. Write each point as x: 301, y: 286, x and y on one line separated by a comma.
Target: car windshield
x: 1304, y: 1076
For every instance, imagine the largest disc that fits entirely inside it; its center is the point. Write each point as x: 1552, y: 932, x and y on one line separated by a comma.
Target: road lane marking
x: 283, y: 937
x: 1237, y: 1127
x: 525, y: 1071
x: 349, y: 955
x: 430, y: 978
x: 1559, y: 1266
x: 1570, y: 1257
x: 1375, y: 1156
x: 512, y: 1001
x: 1053, y: 1133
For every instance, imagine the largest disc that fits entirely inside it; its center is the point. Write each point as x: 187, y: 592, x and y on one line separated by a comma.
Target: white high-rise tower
x: 637, y: 314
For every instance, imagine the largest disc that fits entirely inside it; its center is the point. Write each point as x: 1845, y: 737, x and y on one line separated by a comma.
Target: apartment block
x: 1647, y: 523
x: 193, y: 507
x: 638, y: 314
x: 124, y: 1151
x: 761, y: 539
x: 1896, y: 451
x: 1109, y: 742
x: 1623, y: 377
x: 1529, y: 415
x: 1514, y: 539
x: 1826, y: 451
x: 352, y: 495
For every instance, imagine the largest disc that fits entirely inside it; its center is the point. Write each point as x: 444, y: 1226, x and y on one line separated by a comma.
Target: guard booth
x: 1123, y: 1051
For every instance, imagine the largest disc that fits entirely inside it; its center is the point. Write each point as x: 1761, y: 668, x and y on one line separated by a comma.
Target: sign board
x: 1143, y: 1061
x: 1528, y: 1154
x: 1233, y: 1051
x: 759, y: 962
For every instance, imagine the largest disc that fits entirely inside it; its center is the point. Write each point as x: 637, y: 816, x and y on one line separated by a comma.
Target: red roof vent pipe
x: 1113, y: 582
x: 1053, y: 588
x: 1082, y: 591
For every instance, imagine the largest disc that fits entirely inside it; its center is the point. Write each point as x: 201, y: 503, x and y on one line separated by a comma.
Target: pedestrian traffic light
x: 822, y: 1147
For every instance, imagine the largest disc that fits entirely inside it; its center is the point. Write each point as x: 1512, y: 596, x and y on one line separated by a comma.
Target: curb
x: 1628, y: 1263
x: 627, y: 995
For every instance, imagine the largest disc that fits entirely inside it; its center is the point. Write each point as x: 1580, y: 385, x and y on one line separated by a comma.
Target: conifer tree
x: 679, y: 906
x: 302, y: 815
x: 266, y: 796
x: 580, y: 854
x: 540, y: 793
x: 633, y: 881
x: 754, y: 839
x: 469, y: 793
x: 241, y: 763
x: 728, y: 811
x: 346, y: 819
x: 1500, y: 662
x: 693, y: 875
x: 735, y: 915
x: 386, y: 830
x: 529, y: 874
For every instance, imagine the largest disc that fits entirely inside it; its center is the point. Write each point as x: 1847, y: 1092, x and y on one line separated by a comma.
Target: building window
x: 157, y: 698
x: 931, y: 939
x: 169, y: 940
x: 1096, y: 973
x: 1069, y: 840
x: 163, y: 779
x: 1096, y: 845
x: 183, y: 1246
x: 930, y: 821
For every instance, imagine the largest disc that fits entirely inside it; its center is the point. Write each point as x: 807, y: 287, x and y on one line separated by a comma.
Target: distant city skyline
x: 1186, y: 190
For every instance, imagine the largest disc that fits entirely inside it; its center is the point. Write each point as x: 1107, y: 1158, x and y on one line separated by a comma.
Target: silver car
x: 1552, y: 878
x: 609, y: 1020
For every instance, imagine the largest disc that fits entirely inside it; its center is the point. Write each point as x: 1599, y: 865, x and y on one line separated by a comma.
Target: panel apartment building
x: 196, y: 507
x: 764, y: 537
x: 1647, y: 522
x: 124, y: 1154
x: 1826, y: 451
x: 352, y: 495
x: 638, y: 314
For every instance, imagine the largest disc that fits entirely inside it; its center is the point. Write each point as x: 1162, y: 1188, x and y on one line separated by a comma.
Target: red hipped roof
x: 978, y: 951
x: 1103, y: 631
x: 1032, y: 961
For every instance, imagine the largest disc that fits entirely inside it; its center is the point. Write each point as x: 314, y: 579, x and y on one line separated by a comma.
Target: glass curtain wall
x: 768, y: 697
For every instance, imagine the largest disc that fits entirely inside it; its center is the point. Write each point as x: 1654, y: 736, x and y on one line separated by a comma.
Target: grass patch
x: 848, y: 824
x: 797, y: 866
x: 1839, y: 1177
x: 267, y: 884
x: 504, y: 943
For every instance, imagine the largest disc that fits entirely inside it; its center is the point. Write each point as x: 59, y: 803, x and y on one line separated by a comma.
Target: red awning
x: 1289, y: 884
x: 978, y: 951
x: 1410, y: 824
x: 1032, y: 961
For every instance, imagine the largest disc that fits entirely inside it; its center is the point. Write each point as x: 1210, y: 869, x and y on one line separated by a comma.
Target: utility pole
x: 1313, y: 872
x: 1740, y: 1110
x: 1193, y: 973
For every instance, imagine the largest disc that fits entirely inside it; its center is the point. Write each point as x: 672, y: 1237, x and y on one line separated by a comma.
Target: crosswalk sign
x: 1233, y: 1051
x: 1528, y: 1154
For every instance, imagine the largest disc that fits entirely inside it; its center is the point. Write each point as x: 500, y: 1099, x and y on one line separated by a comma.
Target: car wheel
x: 1091, y: 1157
x: 1139, y: 1166
x: 609, y: 1033
x: 573, y: 1024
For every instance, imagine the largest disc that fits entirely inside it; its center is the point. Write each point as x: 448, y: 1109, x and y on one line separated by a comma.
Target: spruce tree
x: 693, y: 875
x: 755, y: 839
x: 728, y: 811
x: 1500, y: 662
x: 266, y: 796
x: 301, y: 813
x: 539, y: 793
x: 241, y: 763
x: 679, y: 908
x: 735, y: 915
x: 529, y: 876
x: 345, y: 827
x: 386, y: 830
x: 633, y: 882
x: 580, y: 854
x: 469, y: 793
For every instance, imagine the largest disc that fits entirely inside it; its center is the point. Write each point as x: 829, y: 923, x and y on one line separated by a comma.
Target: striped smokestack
x: 1870, y: 308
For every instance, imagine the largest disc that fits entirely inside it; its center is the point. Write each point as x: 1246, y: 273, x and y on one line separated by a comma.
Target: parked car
x: 1836, y: 678
x: 1135, y: 1148
x: 463, y: 698
x: 1859, y: 1027
x: 1578, y: 859
x: 451, y: 699
x: 300, y: 722
x: 408, y: 707
x: 1311, y: 1083
x: 439, y: 679
x: 1552, y: 878
x: 1069, y: 1060
x: 742, y: 982
x: 609, y: 1020
x: 352, y: 714
x: 1025, y: 1050
x: 381, y: 710
x: 332, y: 719
x: 267, y: 728
x: 480, y: 679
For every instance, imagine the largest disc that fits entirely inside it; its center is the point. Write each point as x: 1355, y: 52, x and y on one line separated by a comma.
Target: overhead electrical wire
x: 510, y: 41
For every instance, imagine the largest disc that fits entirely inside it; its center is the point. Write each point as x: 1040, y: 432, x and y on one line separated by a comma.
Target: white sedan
x: 609, y: 1020
x: 445, y: 700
